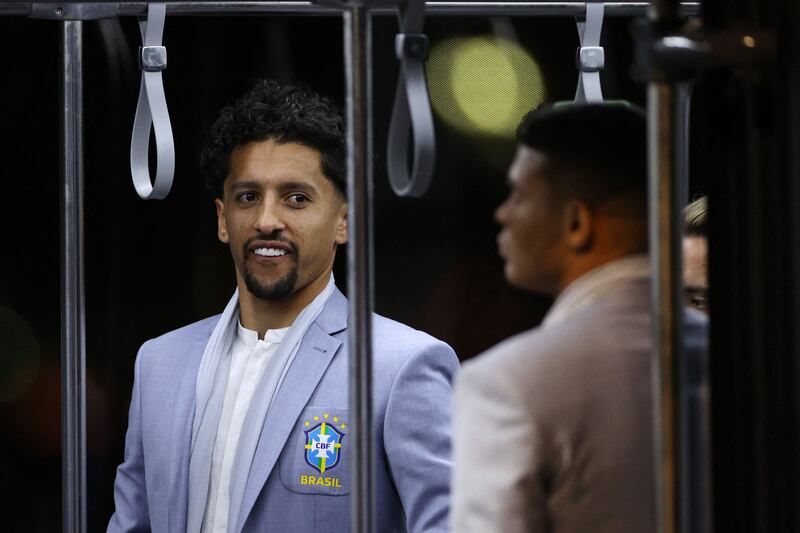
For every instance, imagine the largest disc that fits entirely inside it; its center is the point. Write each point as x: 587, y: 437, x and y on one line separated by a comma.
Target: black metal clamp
x: 680, y: 52
x: 73, y: 10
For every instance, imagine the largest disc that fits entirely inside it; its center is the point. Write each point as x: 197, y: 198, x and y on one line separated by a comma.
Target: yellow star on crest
x: 325, y: 416
x: 307, y: 423
x: 343, y: 425
x: 316, y: 418
x: 335, y: 418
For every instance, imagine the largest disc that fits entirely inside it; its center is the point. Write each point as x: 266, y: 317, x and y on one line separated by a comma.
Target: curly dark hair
x: 283, y: 113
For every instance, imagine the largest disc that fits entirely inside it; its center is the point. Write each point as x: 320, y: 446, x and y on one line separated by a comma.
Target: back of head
x: 594, y: 152
x: 284, y: 114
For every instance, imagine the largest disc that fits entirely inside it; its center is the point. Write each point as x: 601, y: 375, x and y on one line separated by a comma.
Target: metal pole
x: 482, y: 8
x: 357, y: 50
x: 694, y: 415
x: 456, y: 8
x: 664, y: 186
x: 682, y: 118
x: 667, y: 305
x: 73, y: 330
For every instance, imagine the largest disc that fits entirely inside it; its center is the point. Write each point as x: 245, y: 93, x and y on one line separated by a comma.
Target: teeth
x: 269, y: 252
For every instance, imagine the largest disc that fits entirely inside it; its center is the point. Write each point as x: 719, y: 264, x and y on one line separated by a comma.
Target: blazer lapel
x: 311, y: 361
x: 181, y: 438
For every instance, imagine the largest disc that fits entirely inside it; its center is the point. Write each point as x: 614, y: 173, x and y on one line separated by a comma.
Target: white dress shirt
x: 249, y: 357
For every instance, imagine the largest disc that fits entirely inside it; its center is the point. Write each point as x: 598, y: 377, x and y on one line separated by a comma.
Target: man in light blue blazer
x: 240, y: 422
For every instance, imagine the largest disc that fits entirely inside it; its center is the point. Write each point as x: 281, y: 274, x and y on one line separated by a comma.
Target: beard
x: 277, y: 290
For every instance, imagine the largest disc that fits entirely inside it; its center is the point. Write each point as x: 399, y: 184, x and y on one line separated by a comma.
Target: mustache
x: 274, y: 236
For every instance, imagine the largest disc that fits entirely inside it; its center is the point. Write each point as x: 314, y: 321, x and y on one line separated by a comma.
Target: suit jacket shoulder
x: 183, y: 337
x: 577, y: 393
x: 395, y: 344
x: 575, y: 354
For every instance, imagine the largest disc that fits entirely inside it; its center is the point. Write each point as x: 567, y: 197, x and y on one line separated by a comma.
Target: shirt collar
x: 594, y: 285
x: 250, y: 337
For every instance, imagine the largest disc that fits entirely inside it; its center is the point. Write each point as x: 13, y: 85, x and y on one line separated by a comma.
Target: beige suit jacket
x: 553, y: 428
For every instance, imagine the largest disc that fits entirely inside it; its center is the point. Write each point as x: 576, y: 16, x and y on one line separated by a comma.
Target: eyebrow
x: 303, y: 186
x: 239, y: 185
x: 298, y: 185
x: 695, y: 289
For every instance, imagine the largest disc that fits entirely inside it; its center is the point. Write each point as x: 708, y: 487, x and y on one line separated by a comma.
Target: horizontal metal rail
x: 484, y: 8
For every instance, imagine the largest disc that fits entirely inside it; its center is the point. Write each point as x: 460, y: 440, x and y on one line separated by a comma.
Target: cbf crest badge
x: 324, y: 442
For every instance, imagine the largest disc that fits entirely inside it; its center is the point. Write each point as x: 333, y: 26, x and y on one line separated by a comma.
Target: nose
x: 500, y: 213
x: 269, y: 219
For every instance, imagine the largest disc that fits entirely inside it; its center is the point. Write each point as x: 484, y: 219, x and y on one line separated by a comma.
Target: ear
x: 579, y: 222
x: 222, y: 226
x: 341, y: 228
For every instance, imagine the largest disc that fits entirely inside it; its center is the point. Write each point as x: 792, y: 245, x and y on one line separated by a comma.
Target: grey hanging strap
x: 152, y: 111
x: 591, y: 57
x: 412, y: 107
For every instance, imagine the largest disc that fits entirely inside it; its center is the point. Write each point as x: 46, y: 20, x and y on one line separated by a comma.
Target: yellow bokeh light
x: 483, y: 85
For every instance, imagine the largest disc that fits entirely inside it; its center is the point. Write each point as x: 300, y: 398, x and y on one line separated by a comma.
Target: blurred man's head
x: 695, y: 254
x: 578, y: 194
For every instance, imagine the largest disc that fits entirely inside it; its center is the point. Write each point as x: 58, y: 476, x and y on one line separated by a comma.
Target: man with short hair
x: 240, y: 422
x: 552, y: 429
x: 695, y: 254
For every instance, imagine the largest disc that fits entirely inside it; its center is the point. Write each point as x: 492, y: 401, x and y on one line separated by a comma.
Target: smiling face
x: 282, y: 219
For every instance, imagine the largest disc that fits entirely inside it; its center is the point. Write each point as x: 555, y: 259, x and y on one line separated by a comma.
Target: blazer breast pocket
x: 316, y: 459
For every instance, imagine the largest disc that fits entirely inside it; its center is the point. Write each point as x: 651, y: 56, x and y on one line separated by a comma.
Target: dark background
x: 157, y: 265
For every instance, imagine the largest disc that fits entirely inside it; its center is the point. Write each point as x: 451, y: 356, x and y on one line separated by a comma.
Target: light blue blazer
x: 288, y: 490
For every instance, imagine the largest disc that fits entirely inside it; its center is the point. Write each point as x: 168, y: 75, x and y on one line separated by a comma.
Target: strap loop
x: 590, y: 57
x: 151, y: 111
x: 412, y: 109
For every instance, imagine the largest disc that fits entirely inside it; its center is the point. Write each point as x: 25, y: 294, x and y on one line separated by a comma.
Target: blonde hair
x: 695, y: 218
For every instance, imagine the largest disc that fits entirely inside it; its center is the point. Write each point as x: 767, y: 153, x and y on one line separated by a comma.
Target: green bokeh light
x: 483, y: 85
x: 19, y: 355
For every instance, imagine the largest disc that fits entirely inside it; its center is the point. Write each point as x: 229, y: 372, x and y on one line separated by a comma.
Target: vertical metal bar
x: 682, y: 119
x: 357, y: 48
x: 668, y: 114
x: 73, y: 344
x: 690, y: 389
x: 663, y: 183
x: 663, y: 253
